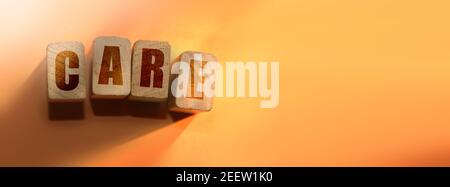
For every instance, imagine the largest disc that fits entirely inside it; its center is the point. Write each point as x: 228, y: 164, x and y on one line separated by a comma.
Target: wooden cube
x: 111, y: 68
x: 150, y: 71
x: 193, y: 100
x: 66, y: 72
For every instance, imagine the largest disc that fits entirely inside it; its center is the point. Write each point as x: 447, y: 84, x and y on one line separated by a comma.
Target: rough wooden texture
x: 194, y: 101
x: 66, y: 72
x: 150, y: 71
x: 111, y: 68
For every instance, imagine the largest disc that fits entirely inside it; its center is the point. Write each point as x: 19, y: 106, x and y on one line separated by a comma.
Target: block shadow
x: 34, y: 132
x: 66, y: 111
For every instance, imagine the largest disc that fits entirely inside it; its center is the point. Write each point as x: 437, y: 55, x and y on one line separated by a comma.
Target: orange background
x: 362, y: 83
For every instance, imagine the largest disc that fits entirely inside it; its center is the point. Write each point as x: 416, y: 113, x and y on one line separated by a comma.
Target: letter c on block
x: 60, y: 70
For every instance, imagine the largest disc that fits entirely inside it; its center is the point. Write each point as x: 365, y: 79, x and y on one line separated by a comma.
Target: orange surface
x: 363, y: 83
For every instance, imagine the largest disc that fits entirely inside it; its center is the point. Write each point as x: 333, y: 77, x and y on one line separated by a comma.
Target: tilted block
x: 150, y: 71
x: 111, y: 67
x: 66, y: 71
x: 190, y: 83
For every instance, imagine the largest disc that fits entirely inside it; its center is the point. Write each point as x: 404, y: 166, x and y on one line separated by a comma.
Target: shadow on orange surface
x: 66, y: 111
x: 34, y: 132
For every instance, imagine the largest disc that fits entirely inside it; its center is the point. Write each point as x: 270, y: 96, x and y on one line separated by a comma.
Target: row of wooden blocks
x: 120, y: 71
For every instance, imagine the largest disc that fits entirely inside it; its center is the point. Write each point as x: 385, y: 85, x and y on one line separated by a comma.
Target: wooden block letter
x: 111, y: 68
x: 188, y: 87
x: 66, y: 76
x: 150, y: 71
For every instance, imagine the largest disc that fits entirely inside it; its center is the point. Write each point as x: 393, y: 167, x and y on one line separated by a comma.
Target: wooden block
x: 150, y: 71
x: 192, y: 101
x: 111, y: 68
x: 66, y: 72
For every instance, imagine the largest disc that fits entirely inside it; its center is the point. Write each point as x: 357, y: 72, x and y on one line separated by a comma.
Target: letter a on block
x: 188, y: 87
x: 111, y: 68
x: 66, y: 76
x: 150, y: 71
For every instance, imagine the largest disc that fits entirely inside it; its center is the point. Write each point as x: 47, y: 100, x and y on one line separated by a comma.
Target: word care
x: 119, y: 71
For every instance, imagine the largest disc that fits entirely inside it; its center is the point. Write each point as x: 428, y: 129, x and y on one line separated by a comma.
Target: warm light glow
x: 362, y: 83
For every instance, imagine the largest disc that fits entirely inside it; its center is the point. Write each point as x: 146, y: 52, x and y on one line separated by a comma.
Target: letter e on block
x: 150, y: 71
x: 66, y: 76
x: 111, y: 67
x: 187, y: 88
